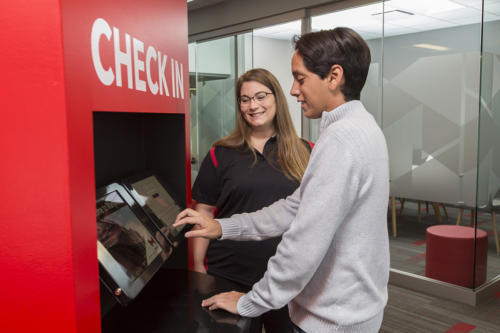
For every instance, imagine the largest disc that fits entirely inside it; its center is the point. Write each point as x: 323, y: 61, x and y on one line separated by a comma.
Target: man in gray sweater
x: 332, y: 265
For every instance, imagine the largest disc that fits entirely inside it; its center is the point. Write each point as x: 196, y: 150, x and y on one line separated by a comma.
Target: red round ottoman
x: 450, y: 254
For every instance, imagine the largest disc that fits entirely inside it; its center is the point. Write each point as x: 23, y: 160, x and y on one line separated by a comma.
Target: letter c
x: 99, y: 28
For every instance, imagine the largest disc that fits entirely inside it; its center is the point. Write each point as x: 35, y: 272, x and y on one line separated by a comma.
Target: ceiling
x: 400, y: 17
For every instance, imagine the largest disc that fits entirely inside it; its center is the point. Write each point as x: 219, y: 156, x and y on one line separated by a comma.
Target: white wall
x: 216, y: 56
x: 275, y: 55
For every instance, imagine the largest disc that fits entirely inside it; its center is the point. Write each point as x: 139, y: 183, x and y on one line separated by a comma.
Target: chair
x: 436, y: 206
x: 393, y: 214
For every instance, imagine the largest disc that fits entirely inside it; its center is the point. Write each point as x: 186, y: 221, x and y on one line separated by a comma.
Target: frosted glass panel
x: 430, y: 113
x: 431, y: 100
x: 214, y: 70
x: 489, y: 140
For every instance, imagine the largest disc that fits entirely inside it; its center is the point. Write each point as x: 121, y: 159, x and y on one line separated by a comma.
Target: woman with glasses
x: 261, y: 161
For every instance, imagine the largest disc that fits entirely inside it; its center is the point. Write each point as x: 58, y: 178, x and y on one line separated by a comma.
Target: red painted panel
x: 159, y: 24
x: 50, y: 87
x: 36, y: 284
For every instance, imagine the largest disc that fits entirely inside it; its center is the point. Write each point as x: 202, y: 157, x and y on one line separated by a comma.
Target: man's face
x: 311, y: 91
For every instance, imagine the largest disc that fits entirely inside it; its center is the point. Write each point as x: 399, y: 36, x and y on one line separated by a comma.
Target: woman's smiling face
x: 257, y: 107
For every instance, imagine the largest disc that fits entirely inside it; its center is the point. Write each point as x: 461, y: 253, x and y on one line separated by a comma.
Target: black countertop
x: 171, y: 302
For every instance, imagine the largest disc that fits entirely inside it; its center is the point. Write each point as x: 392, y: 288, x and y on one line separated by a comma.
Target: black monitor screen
x: 123, y: 235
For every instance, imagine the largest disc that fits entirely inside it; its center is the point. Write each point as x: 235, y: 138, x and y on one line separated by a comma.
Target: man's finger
x: 186, y: 212
x: 216, y: 299
x: 180, y: 222
x: 183, y: 213
x: 195, y: 233
x: 213, y: 307
x: 208, y: 302
x: 189, y: 220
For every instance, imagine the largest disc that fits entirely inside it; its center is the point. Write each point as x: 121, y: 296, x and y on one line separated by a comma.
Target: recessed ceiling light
x: 395, y: 11
x: 424, y: 6
x: 432, y: 47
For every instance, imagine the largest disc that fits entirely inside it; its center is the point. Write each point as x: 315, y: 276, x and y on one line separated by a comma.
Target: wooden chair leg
x: 495, y: 231
x: 402, y: 201
x: 419, y: 213
x: 460, y: 214
x: 427, y: 208
x: 393, y: 211
x: 445, y: 211
x: 437, y: 211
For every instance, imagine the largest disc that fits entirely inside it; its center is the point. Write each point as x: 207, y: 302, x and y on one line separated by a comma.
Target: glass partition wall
x: 434, y: 88
x: 214, y: 67
x: 423, y: 88
x: 431, y: 100
x: 488, y: 175
x: 272, y: 49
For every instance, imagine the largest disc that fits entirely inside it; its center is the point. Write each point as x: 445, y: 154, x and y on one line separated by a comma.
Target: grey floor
x: 413, y: 312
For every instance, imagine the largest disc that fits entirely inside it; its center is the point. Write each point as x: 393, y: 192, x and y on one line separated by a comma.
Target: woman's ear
x: 335, y: 77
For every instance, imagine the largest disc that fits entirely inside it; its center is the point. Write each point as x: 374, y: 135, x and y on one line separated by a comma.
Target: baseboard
x: 438, y: 288
x: 488, y: 290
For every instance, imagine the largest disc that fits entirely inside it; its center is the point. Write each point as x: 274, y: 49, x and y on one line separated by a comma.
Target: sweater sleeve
x: 271, y: 221
x: 327, y: 194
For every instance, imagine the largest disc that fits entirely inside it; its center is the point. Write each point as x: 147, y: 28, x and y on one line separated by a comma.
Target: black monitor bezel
x: 122, y: 286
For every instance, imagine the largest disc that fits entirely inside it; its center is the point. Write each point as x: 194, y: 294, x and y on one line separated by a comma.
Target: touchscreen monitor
x: 130, y: 248
x: 157, y: 202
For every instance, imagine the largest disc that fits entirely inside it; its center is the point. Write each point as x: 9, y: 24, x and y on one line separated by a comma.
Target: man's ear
x: 335, y: 77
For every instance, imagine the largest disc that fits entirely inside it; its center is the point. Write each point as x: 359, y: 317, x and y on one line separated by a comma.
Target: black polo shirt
x: 231, y: 180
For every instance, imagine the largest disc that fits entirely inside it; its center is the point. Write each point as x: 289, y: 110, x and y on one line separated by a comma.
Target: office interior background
x: 433, y: 87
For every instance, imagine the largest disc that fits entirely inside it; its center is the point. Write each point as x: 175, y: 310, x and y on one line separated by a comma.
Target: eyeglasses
x: 258, y: 97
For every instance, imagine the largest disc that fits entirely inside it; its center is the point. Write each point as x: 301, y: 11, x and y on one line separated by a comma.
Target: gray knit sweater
x: 332, y: 265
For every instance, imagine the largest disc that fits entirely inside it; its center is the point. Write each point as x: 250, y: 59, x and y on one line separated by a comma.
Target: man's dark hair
x: 340, y: 46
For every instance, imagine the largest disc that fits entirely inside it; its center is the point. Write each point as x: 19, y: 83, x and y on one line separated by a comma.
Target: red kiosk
x: 71, y: 68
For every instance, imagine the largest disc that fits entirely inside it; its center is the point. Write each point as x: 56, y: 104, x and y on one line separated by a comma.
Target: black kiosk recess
x: 140, y: 188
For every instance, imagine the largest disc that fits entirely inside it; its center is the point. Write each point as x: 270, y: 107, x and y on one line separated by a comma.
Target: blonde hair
x: 293, y: 153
